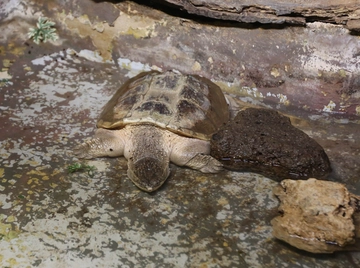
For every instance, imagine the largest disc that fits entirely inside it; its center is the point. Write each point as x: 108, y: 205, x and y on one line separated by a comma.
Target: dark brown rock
x: 265, y: 142
x: 273, y: 11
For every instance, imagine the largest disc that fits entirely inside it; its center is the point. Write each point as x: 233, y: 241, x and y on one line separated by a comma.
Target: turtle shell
x: 189, y: 105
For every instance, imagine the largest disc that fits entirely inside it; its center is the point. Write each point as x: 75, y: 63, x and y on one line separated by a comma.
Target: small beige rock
x: 316, y: 215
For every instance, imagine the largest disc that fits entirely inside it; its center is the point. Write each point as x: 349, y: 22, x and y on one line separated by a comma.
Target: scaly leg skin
x: 105, y: 143
x: 205, y: 163
x: 193, y: 153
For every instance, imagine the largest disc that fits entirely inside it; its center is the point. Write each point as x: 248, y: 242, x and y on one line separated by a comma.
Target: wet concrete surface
x: 51, y: 218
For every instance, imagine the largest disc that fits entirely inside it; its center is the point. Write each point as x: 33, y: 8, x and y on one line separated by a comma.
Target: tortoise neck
x: 148, y: 141
x: 149, y: 161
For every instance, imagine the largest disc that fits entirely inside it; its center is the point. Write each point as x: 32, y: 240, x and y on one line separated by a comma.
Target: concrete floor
x: 51, y: 218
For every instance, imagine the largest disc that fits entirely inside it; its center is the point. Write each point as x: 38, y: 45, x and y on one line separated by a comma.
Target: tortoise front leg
x: 193, y: 153
x: 205, y: 163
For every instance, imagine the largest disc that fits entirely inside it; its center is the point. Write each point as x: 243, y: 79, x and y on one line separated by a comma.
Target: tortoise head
x: 148, y: 173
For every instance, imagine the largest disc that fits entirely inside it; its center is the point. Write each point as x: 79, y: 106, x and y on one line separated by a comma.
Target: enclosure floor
x: 52, y: 94
x: 51, y: 218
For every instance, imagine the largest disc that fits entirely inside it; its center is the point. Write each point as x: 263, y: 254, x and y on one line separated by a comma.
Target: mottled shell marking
x: 189, y: 105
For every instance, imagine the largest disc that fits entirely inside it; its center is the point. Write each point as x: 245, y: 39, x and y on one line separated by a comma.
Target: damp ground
x: 52, y: 218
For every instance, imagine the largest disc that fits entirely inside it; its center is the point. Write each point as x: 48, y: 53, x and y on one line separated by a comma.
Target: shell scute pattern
x: 180, y: 103
x: 167, y: 82
x: 154, y: 107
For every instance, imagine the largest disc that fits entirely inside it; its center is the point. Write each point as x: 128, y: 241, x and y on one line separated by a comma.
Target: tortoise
x: 156, y: 118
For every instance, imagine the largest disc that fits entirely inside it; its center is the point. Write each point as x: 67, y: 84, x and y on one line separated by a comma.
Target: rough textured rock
x: 313, y: 68
x: 263, y: 141
x: 276, y: 11
x: 316, y: 216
